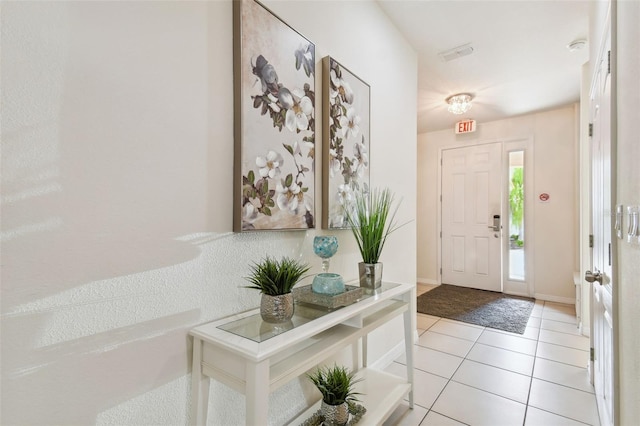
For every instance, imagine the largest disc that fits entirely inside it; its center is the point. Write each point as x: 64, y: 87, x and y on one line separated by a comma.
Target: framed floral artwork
x: 274, y: 122
x: 346, y: 131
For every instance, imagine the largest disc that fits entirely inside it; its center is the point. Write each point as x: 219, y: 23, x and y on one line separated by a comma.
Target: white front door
x: 471, y: 202
x: 602, y: 306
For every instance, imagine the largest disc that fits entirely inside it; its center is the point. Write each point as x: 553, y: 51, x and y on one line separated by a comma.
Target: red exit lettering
x: 467, y: 126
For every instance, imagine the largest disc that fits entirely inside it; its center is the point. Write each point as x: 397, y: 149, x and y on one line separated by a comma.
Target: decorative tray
x: 356, y: 411
x: 306, y: 295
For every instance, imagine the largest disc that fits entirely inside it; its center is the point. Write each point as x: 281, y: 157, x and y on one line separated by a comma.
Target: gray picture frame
x: 274, y: 122
x: 346, y: 130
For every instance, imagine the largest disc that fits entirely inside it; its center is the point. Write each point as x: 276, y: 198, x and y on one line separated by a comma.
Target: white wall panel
x: 482, y: 255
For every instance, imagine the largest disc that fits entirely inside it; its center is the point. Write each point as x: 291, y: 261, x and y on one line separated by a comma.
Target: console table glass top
x: 254, y: 328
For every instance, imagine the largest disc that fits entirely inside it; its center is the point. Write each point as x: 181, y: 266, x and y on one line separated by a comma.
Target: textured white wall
x: 554, y: 142
x: 383, y: 59
x: 117, y: 153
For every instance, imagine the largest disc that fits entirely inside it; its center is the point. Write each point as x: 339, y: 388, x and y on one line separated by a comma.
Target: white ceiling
x: 520, y: 61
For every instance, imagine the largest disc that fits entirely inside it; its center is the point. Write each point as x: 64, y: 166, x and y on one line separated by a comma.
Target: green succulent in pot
x: 337, y: 386
x: 275, y: 279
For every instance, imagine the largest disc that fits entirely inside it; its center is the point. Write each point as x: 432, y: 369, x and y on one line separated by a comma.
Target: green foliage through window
x: 516, y: 197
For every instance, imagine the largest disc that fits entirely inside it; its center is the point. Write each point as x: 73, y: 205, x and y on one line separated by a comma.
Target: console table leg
x: 257, y: 393
x: 409, y: 327
x: 364, y: 351
x: 199, y: 387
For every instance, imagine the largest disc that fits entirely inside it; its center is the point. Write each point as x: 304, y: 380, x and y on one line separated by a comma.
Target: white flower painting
x: 345, y: 141
x: 274, y: 86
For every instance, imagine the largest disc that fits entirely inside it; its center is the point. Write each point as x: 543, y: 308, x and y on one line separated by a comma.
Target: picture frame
x: 274, y: 122
x: 346, y: 130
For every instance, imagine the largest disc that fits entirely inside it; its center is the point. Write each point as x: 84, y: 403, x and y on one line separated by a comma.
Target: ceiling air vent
x: 456, y: 52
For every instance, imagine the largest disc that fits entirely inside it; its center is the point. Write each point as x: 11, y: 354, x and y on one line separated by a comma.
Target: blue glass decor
x: 328, y: 283
x: 325, y: 246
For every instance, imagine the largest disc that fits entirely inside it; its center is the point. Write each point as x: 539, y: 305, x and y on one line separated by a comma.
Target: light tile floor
x: 466, y: 374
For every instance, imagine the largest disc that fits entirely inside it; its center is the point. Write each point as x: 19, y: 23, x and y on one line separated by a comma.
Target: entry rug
x: 480, y: 307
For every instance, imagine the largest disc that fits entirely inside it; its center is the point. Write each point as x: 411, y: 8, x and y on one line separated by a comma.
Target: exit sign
x: 466, y: 126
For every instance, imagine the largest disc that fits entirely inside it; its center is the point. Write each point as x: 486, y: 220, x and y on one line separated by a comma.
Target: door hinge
x: 591, y: 241
x: 592, y: 356
x: 440, y: 271
x: 441, y: 161
x: 609, y: 62
x: 609, y: 254
x: 440, y: 197
x: 590, y: 129
x: 440, y: 234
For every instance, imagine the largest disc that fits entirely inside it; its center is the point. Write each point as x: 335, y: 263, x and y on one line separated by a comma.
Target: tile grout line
x: 548, y: 381
x: 537, y: 340
x: 564, y: 386
x: 559, y: 362
x: 454, y: 337
x: 449, y: 380
x: 533, y: 369
x: 479, y: 362
x: 531, y: 375
x: 563, y: 416
x: 563, y: 346
x: 492, y: 366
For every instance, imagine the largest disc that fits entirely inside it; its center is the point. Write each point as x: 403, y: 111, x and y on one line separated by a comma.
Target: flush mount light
x: 460, y: 103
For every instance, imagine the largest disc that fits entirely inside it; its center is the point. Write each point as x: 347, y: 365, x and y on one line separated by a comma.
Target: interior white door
x: 602, y: 321
x: 471, y: 199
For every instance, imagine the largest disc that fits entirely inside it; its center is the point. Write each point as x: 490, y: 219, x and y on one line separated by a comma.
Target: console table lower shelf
x: 242, y: 352
x: 381, y: 394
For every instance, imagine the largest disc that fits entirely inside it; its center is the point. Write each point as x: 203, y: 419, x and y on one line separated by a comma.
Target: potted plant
x: 336, y: 384
x: 371, y: 221
x: 275, y: 280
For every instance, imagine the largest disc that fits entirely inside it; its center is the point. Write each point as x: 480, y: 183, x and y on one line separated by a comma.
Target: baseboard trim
x: 387, y: 359
x: 557, y: 299
x: 427, y: 281
x: 516, y: 293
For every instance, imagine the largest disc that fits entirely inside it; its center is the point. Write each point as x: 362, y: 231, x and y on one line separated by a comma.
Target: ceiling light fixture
x: 460, y: 103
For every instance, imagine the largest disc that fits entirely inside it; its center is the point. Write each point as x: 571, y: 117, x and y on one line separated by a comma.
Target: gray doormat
x: 480, y: 307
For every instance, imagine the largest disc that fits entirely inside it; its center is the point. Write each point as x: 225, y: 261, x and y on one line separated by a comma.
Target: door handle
x: 496, y: 223
x: 593, y: 276
x: 618, y: 224
x: 634, y: 215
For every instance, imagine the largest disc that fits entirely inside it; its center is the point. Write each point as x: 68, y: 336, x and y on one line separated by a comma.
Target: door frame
x: 526, y: 288
x: 605, y: 299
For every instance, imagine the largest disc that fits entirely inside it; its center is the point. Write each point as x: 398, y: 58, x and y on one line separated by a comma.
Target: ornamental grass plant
x: 372, y: 221
x: 336, y: 384
x: 276, y: 277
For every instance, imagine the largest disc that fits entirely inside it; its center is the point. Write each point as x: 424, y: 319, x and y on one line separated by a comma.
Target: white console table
x: 255, y: 358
